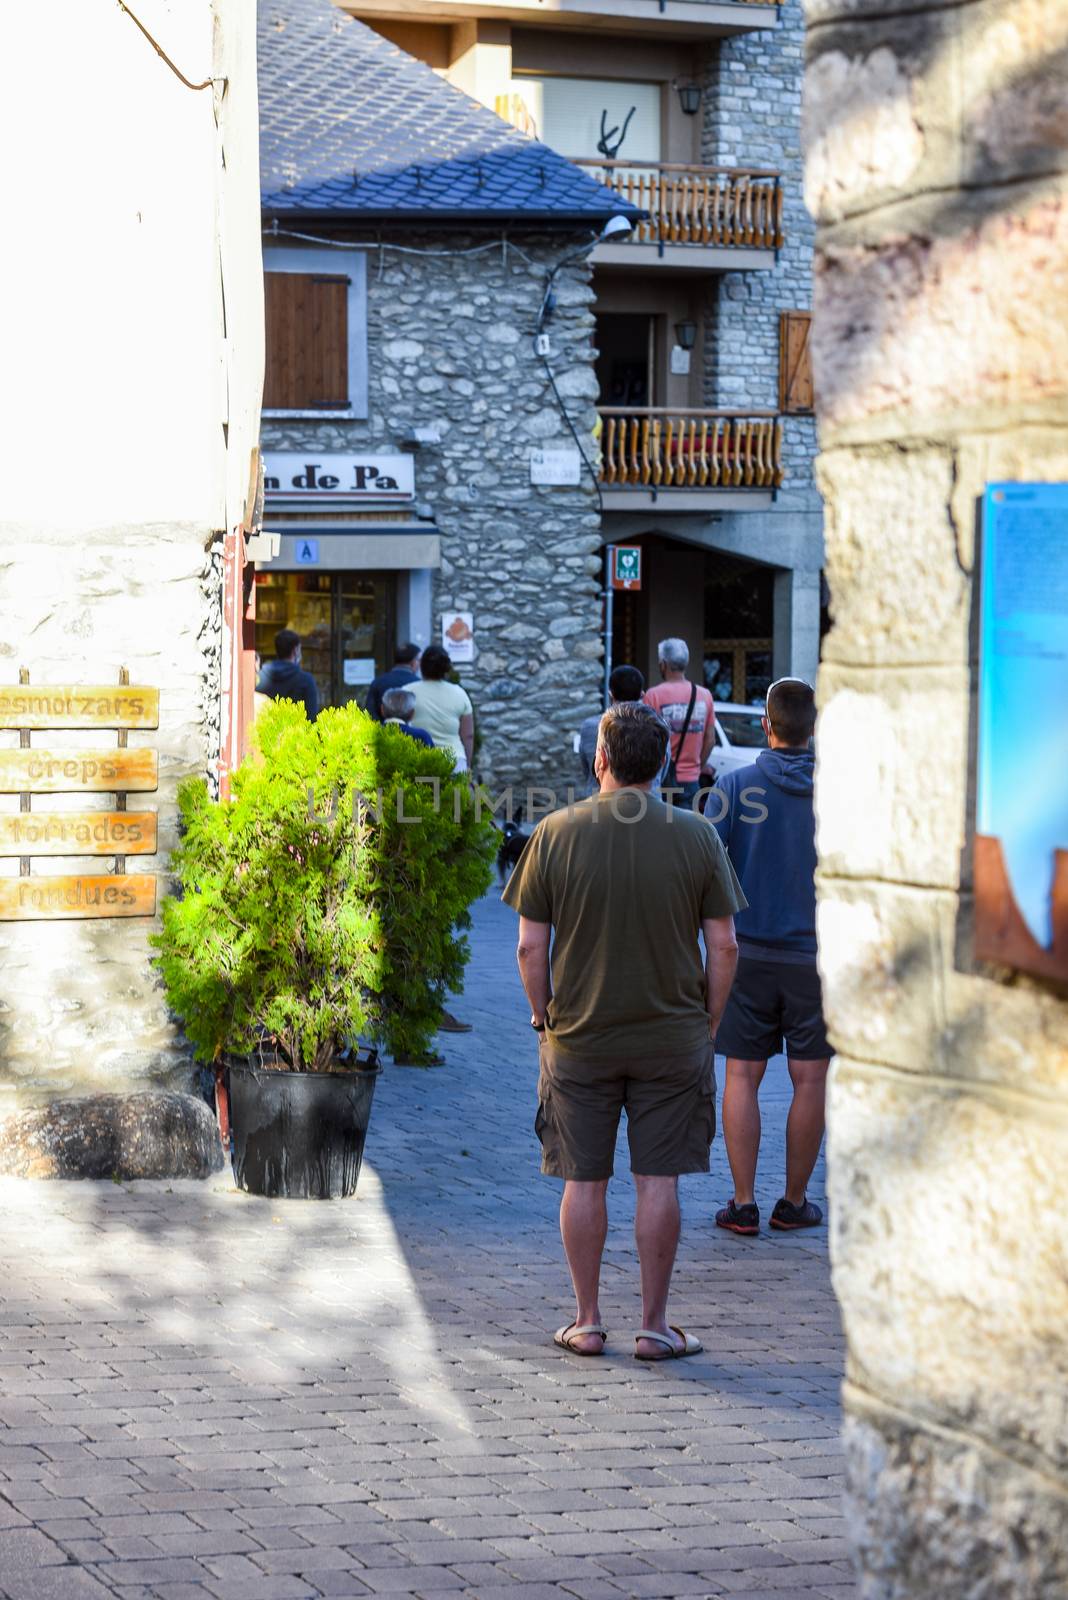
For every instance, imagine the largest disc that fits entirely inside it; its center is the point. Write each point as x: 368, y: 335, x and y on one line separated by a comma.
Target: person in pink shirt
x: 689, y: 713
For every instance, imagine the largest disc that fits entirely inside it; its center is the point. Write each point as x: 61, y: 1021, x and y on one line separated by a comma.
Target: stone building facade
x: 690, y: 90
x: 752, y: 118
x: 450, y: 356
x: 439, y: 239
x: 936, y: 170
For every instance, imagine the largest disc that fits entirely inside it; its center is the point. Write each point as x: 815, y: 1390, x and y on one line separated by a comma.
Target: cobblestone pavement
x: 204, y: 1394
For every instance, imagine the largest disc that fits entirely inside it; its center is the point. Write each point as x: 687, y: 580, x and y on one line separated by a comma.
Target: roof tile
x: 351, y: 126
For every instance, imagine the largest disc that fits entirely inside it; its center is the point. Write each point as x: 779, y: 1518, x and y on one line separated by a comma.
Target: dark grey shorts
x: 670, y: 1103
x: 774, y: 1005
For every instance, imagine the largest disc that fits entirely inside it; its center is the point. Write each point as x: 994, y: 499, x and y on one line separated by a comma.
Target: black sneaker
x: 788, y: 1216
x: 739, y: 1219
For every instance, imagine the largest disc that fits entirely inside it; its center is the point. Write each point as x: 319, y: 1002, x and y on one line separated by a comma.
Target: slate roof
x: 352, y: 127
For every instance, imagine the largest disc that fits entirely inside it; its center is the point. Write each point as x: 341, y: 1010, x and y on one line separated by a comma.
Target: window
x: 316, y: 332
x: 307, y: 340
x: 573, y: 114
x: 795, y: 362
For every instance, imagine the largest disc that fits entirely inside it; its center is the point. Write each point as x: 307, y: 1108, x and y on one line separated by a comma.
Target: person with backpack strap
x: 688, y: 710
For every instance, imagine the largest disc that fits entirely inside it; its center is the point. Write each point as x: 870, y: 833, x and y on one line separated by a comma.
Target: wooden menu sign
x: 51, y: 899
x: 30, y: 770
x: 78, y: 833
x: 34, y: 771
x: 62, y: 705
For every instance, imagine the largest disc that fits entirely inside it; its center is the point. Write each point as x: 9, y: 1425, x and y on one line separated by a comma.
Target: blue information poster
x: 1021, y: 846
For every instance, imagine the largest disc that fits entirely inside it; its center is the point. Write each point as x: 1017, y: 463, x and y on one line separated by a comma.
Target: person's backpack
x: 670, y: 780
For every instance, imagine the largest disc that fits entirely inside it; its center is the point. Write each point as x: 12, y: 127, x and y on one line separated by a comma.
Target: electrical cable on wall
x: 158, y: 48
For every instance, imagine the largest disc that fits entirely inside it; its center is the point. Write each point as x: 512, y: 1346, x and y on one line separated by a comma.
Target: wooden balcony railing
x: 660, y: 448
x: 698, y: 205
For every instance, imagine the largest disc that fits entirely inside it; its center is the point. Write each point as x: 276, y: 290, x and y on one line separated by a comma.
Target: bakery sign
x: 324, y: 479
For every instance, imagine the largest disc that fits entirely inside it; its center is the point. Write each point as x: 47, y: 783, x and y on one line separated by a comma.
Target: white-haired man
x: 690, y: 715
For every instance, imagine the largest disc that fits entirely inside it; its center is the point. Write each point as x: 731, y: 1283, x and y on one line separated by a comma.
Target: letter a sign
x: 627, y: 566
x: 307, y: 552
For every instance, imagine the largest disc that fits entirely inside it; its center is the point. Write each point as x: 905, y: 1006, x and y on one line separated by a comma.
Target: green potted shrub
x: 317, y: 908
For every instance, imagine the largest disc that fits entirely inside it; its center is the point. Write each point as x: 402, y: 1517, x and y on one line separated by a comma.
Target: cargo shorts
x: 670, y: 1103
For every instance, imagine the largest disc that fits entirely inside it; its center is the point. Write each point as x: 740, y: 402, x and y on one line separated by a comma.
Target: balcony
x: 671, y: 19
x: 699, y: 217
x: 685, y: 460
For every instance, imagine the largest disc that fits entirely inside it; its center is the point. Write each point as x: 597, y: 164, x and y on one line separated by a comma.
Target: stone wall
x: 450, y: 348
x: 936, y: 169
x: 752, y: 118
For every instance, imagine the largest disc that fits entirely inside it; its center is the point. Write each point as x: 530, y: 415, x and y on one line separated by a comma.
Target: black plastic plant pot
x: 299, y: 1135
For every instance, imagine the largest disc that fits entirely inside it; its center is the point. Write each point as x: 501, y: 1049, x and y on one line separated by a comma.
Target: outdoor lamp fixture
x: 685, y: 335
x: 689, y: 98
x: 617, y: 227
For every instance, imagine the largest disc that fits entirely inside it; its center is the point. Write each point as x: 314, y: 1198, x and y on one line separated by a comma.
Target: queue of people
x: 650, y: 937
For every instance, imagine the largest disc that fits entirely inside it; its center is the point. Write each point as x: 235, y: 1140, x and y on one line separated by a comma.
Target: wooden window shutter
x: 307, y: 318
x: 795, y: 362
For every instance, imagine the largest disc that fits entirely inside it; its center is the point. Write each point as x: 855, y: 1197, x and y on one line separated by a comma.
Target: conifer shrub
x: 320, y: 904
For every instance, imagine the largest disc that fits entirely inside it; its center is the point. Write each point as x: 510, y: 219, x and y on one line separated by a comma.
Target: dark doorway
x: 626, y: 358
x: 739, y: 628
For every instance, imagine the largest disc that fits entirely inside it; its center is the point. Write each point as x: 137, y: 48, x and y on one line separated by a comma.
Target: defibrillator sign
x: 627, y: 566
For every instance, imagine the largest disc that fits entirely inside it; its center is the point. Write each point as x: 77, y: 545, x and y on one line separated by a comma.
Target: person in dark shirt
x: 405, y: 669
x: 767, y: 822
x: 285, y: 679
x: 397, y: 707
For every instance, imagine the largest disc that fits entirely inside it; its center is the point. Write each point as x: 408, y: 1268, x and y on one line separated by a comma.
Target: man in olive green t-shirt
x: 626, y: 1009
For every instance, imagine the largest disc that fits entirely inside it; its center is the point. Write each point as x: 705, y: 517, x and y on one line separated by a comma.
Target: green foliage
x: 319, y: 904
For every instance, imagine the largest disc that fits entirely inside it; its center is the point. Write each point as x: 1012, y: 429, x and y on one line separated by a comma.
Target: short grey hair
x: 398, y: 703
x: 674, y: 653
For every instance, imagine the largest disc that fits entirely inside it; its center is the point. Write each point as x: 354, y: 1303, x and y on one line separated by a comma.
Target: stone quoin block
x: 900, y: 105
x: 889, y: 535
x: 883, y: 950
x: 891, y: 790
x: 951, y: 284
x: 933, y: 1514
x: 954, y: 1263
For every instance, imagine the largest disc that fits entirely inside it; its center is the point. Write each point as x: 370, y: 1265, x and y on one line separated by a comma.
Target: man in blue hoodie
x: 285, y: 679
x: 767, y: 822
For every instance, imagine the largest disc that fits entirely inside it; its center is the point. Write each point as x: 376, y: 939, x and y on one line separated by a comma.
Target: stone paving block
x: 262, y: 1588
x: 26, y: 1550
x: 54, y: 1583
x: 410, y: 1580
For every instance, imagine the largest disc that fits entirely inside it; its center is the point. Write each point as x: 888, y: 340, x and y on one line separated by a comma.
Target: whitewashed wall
x: 129, y: 409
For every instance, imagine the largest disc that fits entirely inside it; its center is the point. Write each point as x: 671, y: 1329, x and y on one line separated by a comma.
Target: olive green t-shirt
x: 625, y: 881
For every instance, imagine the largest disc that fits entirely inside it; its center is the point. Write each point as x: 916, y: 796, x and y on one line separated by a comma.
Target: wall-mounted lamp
x: 689, y: 97
x: 685, y: 335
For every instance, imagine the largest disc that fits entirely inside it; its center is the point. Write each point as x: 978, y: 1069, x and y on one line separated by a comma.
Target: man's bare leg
x: 741, y: 1124
x: 657, y: 1222
x: 804, y: 1125
x: 583, y: 1229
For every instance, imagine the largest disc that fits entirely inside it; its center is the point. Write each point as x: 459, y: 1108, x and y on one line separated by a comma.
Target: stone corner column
x: 937, y: 174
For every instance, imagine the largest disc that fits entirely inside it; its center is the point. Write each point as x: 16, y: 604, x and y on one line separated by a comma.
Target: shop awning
x: 365, y: 546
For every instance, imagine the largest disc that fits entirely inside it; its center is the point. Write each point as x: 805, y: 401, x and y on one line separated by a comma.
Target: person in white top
x: 445, y: 711
x: 443, y: 708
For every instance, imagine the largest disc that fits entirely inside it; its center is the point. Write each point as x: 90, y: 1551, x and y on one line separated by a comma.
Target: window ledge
x: 318, y: 415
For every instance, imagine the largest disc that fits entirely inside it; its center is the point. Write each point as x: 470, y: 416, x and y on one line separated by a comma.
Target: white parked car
x: 739, y: 738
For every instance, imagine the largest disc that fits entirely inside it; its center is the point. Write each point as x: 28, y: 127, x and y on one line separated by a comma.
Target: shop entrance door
x: 346, y: 622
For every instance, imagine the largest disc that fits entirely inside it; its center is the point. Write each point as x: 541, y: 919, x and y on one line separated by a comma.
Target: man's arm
x: 467, y: 736
x: 532, y: 955
x: 708, y: 743
x: 721, y: 959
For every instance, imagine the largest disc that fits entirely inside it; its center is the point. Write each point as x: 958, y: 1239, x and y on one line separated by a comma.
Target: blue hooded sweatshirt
x: 769, y: 828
